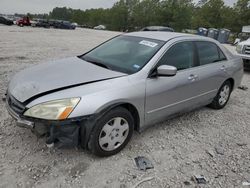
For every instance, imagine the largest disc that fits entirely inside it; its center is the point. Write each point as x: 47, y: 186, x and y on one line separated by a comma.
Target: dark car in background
x: 5, y: 21
x: 63, y: 25
x: 42, y: 23
x: 158, y: 28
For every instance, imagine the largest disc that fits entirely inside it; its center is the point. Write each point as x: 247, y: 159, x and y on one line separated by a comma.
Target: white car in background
x: 100, y: 27
x: 243, y: 50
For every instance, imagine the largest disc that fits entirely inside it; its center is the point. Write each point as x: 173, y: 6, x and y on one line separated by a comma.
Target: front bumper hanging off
x: 62, y: 133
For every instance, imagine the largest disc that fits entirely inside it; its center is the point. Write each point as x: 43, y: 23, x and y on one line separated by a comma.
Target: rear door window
x: 221, y: 54
x: 208, y: 53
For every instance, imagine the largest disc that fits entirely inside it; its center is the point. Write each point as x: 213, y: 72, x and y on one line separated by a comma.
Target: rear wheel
x: 112, y: 132
x: 222, y: 96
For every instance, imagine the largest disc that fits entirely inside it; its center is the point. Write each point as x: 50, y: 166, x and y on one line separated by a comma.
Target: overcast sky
x: 45, y: 6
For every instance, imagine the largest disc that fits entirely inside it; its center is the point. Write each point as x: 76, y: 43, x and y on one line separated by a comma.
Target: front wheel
x: 112, y: 132
x: 222, y: 96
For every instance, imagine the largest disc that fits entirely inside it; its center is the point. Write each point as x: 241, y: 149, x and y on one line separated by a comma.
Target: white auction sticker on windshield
x: 148, y: 43
x: 136, y: 66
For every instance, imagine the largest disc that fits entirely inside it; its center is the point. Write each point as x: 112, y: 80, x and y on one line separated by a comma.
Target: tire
x: 221, y: 100
x: 112, y: 132
x: 246, y: 63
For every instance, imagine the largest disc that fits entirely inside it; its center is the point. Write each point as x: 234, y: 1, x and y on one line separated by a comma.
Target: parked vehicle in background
x: 246, y: 29
x: 52, y: 22
x: 127, y: 83
x: 85, y: 26
x: 158, y: 28
x: 243, y: 50
x: 42, y: 23
x: 5, y: 21
x: 190, y: 31
x: 75, y: 24
x: 33, y: 23
x: 100, y: 27
x: 244, y: 35
x: 25, y: 21
x: 63, y: 25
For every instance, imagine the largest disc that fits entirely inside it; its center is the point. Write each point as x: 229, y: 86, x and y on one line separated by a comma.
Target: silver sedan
x: 128, y: 83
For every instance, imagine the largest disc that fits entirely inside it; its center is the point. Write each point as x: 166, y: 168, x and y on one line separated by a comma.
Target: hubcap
x: 224, y: 95
x: 113, y: 134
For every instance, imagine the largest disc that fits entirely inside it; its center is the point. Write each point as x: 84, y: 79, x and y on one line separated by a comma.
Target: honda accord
x: 96, y: 100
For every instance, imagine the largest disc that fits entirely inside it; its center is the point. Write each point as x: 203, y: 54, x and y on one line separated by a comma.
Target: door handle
x: 192, y: 77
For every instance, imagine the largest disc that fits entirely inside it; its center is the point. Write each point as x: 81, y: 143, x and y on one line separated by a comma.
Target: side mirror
x: 166, y: 70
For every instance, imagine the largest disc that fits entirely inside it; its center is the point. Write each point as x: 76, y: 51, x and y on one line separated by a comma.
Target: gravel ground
x: 204, y: 142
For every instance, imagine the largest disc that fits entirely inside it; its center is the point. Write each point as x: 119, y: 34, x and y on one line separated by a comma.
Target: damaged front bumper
x: 68, y: 132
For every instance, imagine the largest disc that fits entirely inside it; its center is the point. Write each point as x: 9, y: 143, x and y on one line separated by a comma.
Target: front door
x: 168, y: 95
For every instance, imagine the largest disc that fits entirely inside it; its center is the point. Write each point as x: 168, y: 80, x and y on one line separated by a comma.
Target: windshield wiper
x: 97, y: 63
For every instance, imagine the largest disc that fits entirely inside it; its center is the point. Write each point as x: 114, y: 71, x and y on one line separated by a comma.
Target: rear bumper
x: 62, y: 133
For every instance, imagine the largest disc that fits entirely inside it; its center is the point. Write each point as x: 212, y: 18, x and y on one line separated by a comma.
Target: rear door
x: 212, y: 68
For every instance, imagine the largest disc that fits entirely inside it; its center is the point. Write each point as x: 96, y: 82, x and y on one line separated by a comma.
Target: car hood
x: 56, y: 75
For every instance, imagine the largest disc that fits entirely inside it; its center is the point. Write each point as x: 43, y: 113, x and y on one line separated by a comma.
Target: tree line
x: 178, y: 14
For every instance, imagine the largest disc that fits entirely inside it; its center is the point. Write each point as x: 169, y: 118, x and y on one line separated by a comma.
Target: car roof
x: 157, y: 28
x: 163, y: 36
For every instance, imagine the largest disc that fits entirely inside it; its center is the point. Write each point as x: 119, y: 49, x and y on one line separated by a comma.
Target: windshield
x: 124, y: 53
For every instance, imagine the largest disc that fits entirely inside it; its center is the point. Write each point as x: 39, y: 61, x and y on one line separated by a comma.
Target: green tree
x: 177, y: 13
x: 210, y: 14
x: 242, y: 12
x: 119, y: 16
x: 61, y: 13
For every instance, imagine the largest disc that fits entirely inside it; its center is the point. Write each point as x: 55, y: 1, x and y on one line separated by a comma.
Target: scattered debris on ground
x: 243, y: 87
x: 143, y: 163
x: 210, y: 152
x: 246, y: 183
x: 199, y: 179
x: 241, y: 144
x: 219, y: 150
x: 4, y: 99
x: 187, y: 183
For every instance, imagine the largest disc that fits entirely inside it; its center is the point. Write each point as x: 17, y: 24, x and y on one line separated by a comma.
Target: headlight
x: 53, y: 110
x: 239, y: 48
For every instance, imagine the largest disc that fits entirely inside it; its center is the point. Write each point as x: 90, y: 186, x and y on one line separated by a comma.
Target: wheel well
x: 134, y: 113
x: 231, y: 80
x: 132, y: 109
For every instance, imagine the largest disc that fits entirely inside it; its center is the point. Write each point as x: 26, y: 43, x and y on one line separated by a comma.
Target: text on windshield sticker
x: 148, y: 43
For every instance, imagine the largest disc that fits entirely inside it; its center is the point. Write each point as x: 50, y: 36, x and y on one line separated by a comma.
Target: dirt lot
x: 204, y: 142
